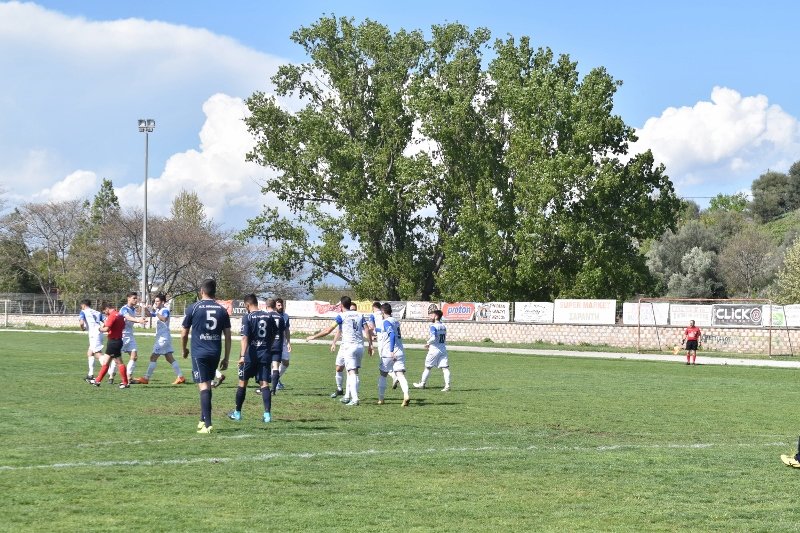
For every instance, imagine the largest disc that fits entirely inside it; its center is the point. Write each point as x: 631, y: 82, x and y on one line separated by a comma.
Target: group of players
x: 265, y: 347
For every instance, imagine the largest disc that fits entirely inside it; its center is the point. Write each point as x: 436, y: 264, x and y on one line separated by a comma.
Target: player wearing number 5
x: 208, y: 322
x: 437, y: 351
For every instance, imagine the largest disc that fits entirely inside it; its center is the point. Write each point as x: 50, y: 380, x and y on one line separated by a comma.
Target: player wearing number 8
x: 209, y: 322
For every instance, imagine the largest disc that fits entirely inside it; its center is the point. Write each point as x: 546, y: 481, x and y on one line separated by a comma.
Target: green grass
x: 521, y: 444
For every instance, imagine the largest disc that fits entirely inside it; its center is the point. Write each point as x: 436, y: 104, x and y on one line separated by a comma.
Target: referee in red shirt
x: 691, y: 336
x: 113, y: 326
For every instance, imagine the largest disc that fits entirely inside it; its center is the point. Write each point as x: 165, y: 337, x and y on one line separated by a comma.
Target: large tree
x: 413, y: 171
x: 776, y: 193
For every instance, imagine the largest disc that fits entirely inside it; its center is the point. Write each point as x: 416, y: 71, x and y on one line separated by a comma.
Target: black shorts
x: 204, y: 368
x: 275, y: 356
x: 691, y: 346
x: 255, y: 369
x: 114, y: 348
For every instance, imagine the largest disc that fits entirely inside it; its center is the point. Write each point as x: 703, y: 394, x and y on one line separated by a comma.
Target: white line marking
x: 423, y: 451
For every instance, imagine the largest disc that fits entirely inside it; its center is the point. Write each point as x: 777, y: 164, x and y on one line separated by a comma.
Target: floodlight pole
x: 146, y: 126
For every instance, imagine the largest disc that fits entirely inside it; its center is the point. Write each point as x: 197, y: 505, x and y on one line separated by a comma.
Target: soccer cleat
x: 201, y: 424
x: 419, y: 385
x: 89, y: 379
x: 338, y: 392
x: 110, y: 380
x: 279, y: 386
x: 345, y: 399
x: 446, y: 388
x: 258, y: 390
x: 141, y: 381
x: 235, y: 415
x: 94, y: 383
x: 405, y: 402
x: 124, y: 385
x: 788, y: 460
x: 205, y: 429
x: 380, y: 402
x: 352, y: 402
x: 267, y: 418
x: 217, y: 382
x: 180, y: 380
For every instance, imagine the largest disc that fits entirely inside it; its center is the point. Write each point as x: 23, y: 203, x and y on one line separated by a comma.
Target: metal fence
x: 40, y: 304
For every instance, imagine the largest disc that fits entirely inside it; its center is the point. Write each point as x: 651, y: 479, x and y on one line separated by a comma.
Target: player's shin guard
x: 267, y: 397
x: 339, y: 380
x: 112, y: 369
x: 91, y: 365
x: 356, y: 379
x: 446, y: 373
x: 401, y: 378
x: 241, y: 392
x: 130, y: 369
x: 205, y: 406
x: 381, y: 386
x: 124, y: 374
x: 177, y: 368
x: 102, y: 374
x: 150, y: 369
x: 425, y: 374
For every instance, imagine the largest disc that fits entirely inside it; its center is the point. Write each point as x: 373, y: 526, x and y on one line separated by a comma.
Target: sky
x: 711, y: 87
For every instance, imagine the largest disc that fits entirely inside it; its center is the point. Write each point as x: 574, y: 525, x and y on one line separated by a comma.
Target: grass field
x: 520, y: 444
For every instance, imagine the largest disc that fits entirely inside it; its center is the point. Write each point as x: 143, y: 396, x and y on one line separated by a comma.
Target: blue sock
x: 240, y: 394
x: 266, y: 395
x: 205, y: 405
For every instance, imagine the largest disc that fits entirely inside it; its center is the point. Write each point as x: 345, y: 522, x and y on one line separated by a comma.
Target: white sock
x: 381, y: 386
x: 282, y: 369
x: 446, y: 372
x: 425, y: 374
x: 217, y: 374
x: 177, y: 368
x: 347, y: 383
x: 91, y: 365
x: 401, y: 377
x: 339, y: 380
x: 131, y: 367
x: 150, y: 369
x: 112, y: 369
x: 356, y: 384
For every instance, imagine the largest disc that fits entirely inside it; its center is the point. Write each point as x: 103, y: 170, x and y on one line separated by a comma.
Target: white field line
x: 701, y: 360
x: 371, y: 452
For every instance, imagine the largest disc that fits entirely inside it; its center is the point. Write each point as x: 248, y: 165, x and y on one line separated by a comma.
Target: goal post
x: 730, y: 313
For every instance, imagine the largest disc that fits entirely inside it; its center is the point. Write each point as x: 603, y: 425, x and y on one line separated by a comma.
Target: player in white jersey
x: 90, y: 321
x: 163, y: 342
x: 393, y: 356
x: 280, y: 307
x: 349, y: 325
x: 437, y: 351
x: 375, y: 323
x: 128, y: 312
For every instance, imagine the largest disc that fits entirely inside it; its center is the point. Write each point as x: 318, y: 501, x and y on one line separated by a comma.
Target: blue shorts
x: 255, y: 369
x: 204, y: 368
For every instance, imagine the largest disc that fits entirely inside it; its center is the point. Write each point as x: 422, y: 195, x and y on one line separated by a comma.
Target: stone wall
x: 734, y: 340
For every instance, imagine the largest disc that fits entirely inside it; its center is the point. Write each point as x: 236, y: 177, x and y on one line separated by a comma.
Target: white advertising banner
x: 782, y: 315
x: 681, y: 314
x: 312, y: 308
x: 585, y: 311
x: 420, y: 310
x: 652, y: 313
x: 536, y: 312
x: 493, y: 312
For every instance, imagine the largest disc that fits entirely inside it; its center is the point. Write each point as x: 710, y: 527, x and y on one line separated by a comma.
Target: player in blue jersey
x: 376, y: 321
x: 280, y: 307
x: 209, y: 323
x: 90, y: 321
x: 259, y: 331
x: 163, y: 342
x: 437, y: 351
x: 129, y: 313
x: 276, y: 349
x: 393, y: 356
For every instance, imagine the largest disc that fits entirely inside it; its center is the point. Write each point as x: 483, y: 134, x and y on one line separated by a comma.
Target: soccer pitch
x: 521, y: 443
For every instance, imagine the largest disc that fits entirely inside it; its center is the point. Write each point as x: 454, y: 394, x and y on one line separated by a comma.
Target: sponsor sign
x: 651, y: 314
x: 585, y: 311
x: 458, y: 311
x: 327, y: 309
x: 419, y: 310
x: 536, y: 312
x: 782, y: 315
x: 736, y: 315
x: 493, y: 312
x: 681, y: 314
x: 792, y: 314
x: 398, y: 309
x: 312, y: 308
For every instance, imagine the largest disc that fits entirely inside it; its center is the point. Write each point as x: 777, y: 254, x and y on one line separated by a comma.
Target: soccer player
x: 113, y: 325
x: 91, y: 320
x: 393, y: 357
x: 259, y: 331
x: 163, y: 342
x: 287, y: 346
x: 691, y: 336
x: 338, y: 364
x: 209, y: 322
x: 437, y: 351
x: 352, y: 328
x: 276, y: 349
x: 128, y: 312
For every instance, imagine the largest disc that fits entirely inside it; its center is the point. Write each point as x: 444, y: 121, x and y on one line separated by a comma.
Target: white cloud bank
x: 721, y: 145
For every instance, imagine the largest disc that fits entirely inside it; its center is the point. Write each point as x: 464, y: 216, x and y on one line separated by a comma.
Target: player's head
x: 271, y: 303
x: 435, y: 315
x: 353, y: 306
x: 208, y: 288
x: 279, y: 307
x: 251, y: 302
x: 376, y: 306
x: 691, y: 323
x: 133, y: 297
x: 386, y: 309
x: 160, y: 300
x: 86, y: 302
x: 345, y: 301
x: 106, y: 306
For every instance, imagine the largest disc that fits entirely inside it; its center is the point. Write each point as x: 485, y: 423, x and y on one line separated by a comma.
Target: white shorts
x: 350, y: 356
x: 436, y: 358
x: 129, y: 343
x: 163, y: 346
x: 96, y: 343
x: 389, y: 364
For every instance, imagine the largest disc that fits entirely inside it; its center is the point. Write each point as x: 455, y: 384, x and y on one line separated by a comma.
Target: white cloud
x: 724, y: 143
x: 80, y: 184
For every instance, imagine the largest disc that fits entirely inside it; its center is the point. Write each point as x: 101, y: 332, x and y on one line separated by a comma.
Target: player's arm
x: 336, y: 337
x: 244, y: 348
x: 389, y: 329
x: 368, y: 336
x: 432, y: 337
x: 185, y: 342
x: 323, y: 333
x: 224, y: 363
x: 163, y: 315
x: 288, y: 336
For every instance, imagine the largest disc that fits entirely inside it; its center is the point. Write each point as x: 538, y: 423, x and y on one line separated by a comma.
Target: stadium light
x: 146, y: 126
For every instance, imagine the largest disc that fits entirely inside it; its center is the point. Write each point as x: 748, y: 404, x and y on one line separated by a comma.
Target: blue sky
x: 710, y: 86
